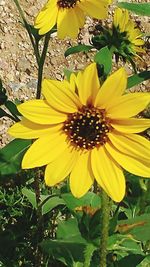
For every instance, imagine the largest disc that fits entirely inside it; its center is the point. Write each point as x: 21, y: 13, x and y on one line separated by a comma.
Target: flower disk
x: 87, y: 128
x: 67, y: 3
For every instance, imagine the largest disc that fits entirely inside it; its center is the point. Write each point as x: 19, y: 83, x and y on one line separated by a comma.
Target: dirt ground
x: 18, y: 69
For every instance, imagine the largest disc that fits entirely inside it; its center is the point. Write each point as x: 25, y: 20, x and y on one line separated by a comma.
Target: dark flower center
x: 87, y: 128
x: 67, y: 3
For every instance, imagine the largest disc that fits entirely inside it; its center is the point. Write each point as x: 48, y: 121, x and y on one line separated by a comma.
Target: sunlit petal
x: 131, y: 144
x: 44, y: 150
x: 128, y: 105
x: 108, y: 174
x: 88, y: 84
x: 39, y: 111
x: 28, y: 130
x: 113, y: 87
x: 60, y: 168
x: 60, y: 97
x: 129, y: 163
x: 130, y: 125
x: 81, y: 178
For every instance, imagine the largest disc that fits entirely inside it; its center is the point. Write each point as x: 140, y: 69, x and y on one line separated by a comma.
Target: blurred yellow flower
x: 86, y: 130
x: 69, y: 15
x: 130, y: 30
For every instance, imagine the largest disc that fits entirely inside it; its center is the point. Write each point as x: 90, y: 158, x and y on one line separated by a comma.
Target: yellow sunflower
x: 86, y: 130
x: 129, y: 28
x: 69, y: 15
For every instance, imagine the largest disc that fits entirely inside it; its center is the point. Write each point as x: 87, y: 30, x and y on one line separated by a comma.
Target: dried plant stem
x: 105, y: 228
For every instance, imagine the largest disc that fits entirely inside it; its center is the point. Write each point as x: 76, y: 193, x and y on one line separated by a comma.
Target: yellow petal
x: 59, y: 169
x: 38, y: 111
x: 139, y: 49
x: 88, y: 84
x: 95, y: 8
x: 108, y: 174
x: 64, y: 18
x: 117, y: 16
x: 46, y: 18
x: 28, y: 130
x: 130, y: 125
x: 131, y: 144
x: 113, y: 87
x: 129, y: 163
x: 44, y: 150
x: 73, y: 82
x: 124, y: 20
x: 81, y: 178
x: 128, y: 105
x: 60, y: 97
x: 138, y: 42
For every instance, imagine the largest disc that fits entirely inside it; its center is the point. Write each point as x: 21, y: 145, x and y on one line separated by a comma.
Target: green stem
x: 39, y: 229
x: 104, y: 230
x: 27, y: 26
x: 41, y: 65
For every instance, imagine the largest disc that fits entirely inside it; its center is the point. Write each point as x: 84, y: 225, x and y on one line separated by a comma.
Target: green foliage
x: 11, y: 156
x: 138, y: 8
x: 77, y: 49
x: 104, y: 58
x: 138, y: 78
x: 50, y: 203
x: 89, y: 199
x: 12, y: 108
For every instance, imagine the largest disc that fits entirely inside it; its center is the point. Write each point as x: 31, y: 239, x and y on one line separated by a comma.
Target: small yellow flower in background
x: 130, y: 30
x: 69, y: 15
x: 86, y: 130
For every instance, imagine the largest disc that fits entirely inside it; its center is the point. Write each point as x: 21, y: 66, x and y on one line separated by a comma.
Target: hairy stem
x: 39, y: 230
x: 104, y: 230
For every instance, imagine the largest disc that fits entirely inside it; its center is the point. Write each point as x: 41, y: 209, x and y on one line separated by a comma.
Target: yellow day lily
x: 86, y: 130
x: 69, y: 15
x: 129, y: 28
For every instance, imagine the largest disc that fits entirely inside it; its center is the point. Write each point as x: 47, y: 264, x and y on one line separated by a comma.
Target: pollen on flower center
x: 87, y: 128
x: 67, y: 3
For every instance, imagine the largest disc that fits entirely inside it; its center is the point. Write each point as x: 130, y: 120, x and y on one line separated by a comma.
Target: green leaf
x: 69, y: 245
x: 77, y: 49
x: 138, y: 227
x: 12, y: 108
x: 67, y: 251
x: 52, y: 203
x: 138, y: 78
x: 104, y: 57
x: 68, y: 230
x: 89, y: 199
x: 131, y: 260
x: 11, y: 156
x: 30, y: 196
x: 140, y: 8
x: 2, y: 113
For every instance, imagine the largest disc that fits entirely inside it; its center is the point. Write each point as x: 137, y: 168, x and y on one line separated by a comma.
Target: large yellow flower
x: 86, y: 130
x: 69, y: 15
x: 130, y: 30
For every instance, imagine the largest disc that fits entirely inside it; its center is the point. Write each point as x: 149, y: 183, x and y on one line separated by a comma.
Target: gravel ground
x: 18, y: 69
